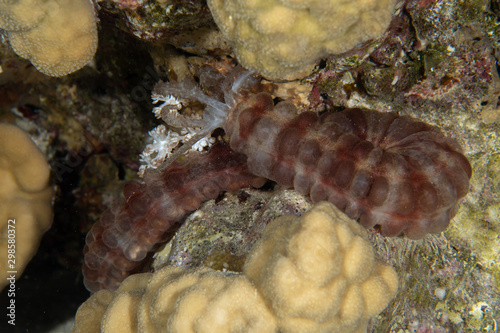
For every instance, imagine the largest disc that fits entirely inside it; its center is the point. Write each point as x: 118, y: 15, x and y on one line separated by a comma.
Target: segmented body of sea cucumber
x: 118, y: 243
x: 381, y: 169
x: 384, y: 170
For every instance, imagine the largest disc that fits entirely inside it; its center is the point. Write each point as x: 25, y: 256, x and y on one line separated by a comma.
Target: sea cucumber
x: 391, y: 172
x: 118, y: 243
x: 381, y: 169
x: 385, y: 170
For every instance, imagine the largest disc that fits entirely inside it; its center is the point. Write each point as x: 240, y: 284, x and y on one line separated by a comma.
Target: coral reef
x: 383, y: 170
x: 436, y: 57
x: 57, y: 36
x: 324, y: 255
x: 118, y: 243
x: 437, y: 62
x: 177, y: 300
x: 393, y: 172
x: 440, y: 282
x: 25, y: 200
x: 267, y: 35
x: 441, y: 285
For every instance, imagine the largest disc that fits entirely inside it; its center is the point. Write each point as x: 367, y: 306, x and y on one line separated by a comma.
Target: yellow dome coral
x: 25, y: 200
x: 311, y: 274
x: 280, y: 37
x: 319, y: 274
x: 179, y: 300
x: 57, y: 36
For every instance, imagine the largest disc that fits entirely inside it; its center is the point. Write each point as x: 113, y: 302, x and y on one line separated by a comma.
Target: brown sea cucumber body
x: 381, y: 169
x: 386, y: 171
x: 118, y: 243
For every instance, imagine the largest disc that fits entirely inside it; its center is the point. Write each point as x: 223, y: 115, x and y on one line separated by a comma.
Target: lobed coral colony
x: 25, y: 199
x: 57, y: 36
x: 386, y: 171
x: 266, y: 34
x: 316, y: 273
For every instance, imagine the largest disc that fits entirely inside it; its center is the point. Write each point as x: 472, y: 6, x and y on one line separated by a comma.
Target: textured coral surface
x: 57, y: 36
x: 25, y: 201
x: 267, y: 34
x: 319, y: 274
x: 316, y: 273
x: 177, y: 300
